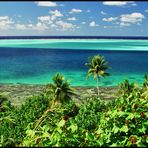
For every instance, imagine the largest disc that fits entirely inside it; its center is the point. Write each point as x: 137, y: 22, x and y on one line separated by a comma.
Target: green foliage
x: 121, y: 122
x: 144, y: 91
x: 60, y: 90
x: 127, y: 88
x: 128, y: 117
x: 51, y: 129
x: 89, y: 113
x: 4, y: 103
x: 13, y: 123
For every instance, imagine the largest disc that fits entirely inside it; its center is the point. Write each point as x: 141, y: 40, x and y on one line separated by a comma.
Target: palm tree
x: 126, y: 88
x: 60, y: 90
x: 97, y: 67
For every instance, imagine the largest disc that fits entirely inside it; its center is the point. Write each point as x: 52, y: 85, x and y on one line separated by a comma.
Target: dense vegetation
x: 48, y: 120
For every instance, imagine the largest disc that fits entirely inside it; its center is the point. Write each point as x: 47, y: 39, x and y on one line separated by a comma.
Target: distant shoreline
x: 75, y: 37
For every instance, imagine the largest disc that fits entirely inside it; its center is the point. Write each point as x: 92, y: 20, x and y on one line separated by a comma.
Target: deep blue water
x: 24, y: 63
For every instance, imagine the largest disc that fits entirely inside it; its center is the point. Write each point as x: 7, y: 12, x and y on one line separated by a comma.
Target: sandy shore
x: 17, y: 93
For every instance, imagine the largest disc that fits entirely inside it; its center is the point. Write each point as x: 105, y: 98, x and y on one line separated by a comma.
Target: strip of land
x: 17, y: 93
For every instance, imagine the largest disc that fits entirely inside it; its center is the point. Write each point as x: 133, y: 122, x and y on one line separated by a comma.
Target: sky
x: 74, y: 18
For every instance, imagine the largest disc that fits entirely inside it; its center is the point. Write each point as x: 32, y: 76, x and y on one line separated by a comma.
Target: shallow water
x: 36, y: 61
x: 85, y: 44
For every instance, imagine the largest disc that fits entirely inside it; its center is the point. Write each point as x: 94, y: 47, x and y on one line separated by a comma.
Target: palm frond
x: 59, y: 89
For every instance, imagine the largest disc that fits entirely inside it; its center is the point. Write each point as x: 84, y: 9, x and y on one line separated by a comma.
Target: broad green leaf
x: 114, y: 145
x: 2, y: 140
x: 45, y: 128
x: 114, y: 113
x: 30, y: 133
x: 46, y: 134
x: 99, y: 131
x: 120, y: 113
x: 59, y: 130
x: 142, y: 130
x: 130, y: 116
x: 115, y: 129
x: 140, y: 144
x: 124, y: 129
x: 61, y: 123
x: 73, y: 127
x: 108, y: 140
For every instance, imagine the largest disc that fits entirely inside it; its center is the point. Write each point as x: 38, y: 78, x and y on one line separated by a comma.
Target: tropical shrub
x: 121, y: 122
x: 14, y: 122
x: 126, y: 123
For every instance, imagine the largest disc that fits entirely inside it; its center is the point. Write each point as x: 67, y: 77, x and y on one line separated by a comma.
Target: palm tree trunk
x: 53, y: 105
x: 98, y: 85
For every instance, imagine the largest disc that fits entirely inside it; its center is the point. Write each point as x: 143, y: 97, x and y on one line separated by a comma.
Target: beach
x: 17, y: 93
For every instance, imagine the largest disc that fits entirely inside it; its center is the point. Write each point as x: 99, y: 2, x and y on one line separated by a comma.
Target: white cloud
x: 40, y: 26
x: 146, y: 10
x: 45, y: 19
x: 65, y: 25
x: 103, y: 13
x: 126, y: 19
x: 75, y: 10
x: 20, y: 27
x: 44, y: 23
x: 88, y: 11
x: 132, y: 3
x: 30, y: 25
x: 62, y: 5
x: 5, y: 22
x: 72, y: 19
x: 93, y: 24
x: 122, y: 24
x: 56, y: 13
x: 107, y: 26
x: 129, y: 19
x: 116, y: 23
x: 138, y: 24
x: 119, y: 3
x: 46, y: 3
x: 132, y: 18
x: 53, y: 25
x: 49, y: 19
x: 83, y: 23
x: 54, y: 21
x: 110, y: 19
x: 4, y: 18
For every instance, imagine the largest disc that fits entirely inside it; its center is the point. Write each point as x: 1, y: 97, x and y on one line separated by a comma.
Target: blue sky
x: 94, y: 18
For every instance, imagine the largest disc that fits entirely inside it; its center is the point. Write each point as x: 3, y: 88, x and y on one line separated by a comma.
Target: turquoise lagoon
x: 35, y: 61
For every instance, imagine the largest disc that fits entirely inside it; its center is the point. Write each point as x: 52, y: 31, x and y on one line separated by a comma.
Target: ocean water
x: 36, y: 61
x: 77, y: 44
